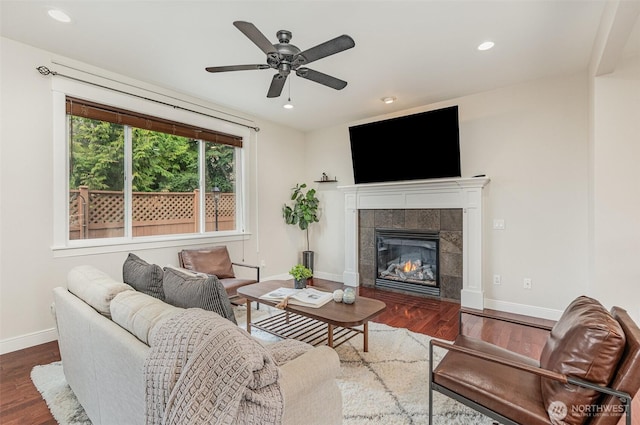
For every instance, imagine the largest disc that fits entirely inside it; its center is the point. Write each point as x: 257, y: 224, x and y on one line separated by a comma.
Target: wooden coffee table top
x: 338, y: 314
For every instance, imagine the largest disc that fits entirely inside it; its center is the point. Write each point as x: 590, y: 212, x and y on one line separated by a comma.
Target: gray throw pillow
x: 144, y: 277
x: 187, y: 290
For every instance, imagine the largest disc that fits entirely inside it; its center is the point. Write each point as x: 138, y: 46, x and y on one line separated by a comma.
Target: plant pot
x: 307, y: 259
x: 300, y: 283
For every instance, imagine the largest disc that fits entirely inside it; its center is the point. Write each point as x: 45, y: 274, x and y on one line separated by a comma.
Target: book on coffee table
x: 308, y: 297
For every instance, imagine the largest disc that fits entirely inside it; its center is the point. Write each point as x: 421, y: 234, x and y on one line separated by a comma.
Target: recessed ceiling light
x: 59, y: 15
x: 486, y: 45
x: 389, y: 99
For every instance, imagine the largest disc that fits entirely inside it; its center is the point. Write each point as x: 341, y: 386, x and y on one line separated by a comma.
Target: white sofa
x: 104, y: 357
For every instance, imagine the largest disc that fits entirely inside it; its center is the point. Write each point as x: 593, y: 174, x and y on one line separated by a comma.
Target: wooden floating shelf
x: 326, y: 181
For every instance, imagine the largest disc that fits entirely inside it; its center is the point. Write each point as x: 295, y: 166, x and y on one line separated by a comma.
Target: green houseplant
x: 300, y: 275
x: 302, y: 213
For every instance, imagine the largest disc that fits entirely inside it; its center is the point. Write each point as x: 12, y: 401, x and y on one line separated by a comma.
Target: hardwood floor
x: 20, y: 401
x: 21, y: 404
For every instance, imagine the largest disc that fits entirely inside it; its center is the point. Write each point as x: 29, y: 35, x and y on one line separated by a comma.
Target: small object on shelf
x: 349, y: 296
x: 337, y: 295
x: 325, y: 179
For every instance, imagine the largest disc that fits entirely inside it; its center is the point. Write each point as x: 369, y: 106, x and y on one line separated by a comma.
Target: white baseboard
x: 472, y: 299
x: 283, y: 276
x: 29, y: 340
x: 524, y: 309
x: 319, y: 275
x: 328, y: 276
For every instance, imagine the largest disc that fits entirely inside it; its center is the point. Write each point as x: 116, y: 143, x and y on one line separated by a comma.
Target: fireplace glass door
x: 407, y: 260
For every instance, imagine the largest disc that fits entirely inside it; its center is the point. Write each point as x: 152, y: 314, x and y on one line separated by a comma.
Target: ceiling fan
x: 285, y: 57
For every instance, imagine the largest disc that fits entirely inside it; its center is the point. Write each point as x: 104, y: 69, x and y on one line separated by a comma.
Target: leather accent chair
x: 216, y: 261
x: 588, y: 372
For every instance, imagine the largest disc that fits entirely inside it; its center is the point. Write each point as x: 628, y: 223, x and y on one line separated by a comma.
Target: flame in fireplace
x: 409, y: 266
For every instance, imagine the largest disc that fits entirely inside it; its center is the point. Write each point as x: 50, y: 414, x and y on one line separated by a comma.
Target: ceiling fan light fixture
x: 288, y: 105
x: 486, y: 45
x: 59, y: 15
x: 389, y: 99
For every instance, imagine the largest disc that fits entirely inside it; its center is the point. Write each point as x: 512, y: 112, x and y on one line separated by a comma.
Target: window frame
x: 62, y: 246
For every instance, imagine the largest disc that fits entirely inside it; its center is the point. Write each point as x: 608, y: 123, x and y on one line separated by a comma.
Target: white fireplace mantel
x: 465, y: 193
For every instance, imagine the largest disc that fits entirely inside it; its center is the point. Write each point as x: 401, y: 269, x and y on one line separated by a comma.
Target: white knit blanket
x: 203, y: 369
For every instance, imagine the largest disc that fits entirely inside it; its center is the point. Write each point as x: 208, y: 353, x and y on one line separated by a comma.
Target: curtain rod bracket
x: 46, y: 71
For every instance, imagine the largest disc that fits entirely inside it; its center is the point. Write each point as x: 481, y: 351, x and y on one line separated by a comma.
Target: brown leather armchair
x: 216, y: 261
x: 588, y: 372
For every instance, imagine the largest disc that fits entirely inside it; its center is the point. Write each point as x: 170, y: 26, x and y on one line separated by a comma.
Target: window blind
x: 96, y: 111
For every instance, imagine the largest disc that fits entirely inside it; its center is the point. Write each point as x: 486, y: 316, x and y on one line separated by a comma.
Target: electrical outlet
x: 498, y: 223
x: 527, y: 283
x: 497, y: 279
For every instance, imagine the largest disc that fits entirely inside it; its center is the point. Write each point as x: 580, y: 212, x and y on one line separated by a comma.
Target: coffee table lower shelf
x: 294, y: 326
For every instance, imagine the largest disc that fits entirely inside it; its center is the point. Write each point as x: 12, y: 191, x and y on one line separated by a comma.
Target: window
x: 132, y: 175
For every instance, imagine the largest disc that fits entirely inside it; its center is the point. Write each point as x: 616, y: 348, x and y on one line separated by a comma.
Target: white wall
x: 279, y: 169
x: 532, y: 141
x: 616, y: 187
x: 28, y: 269
x: 328, y: 153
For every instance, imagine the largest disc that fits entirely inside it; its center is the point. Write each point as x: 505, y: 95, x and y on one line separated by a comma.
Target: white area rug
x: 388, y: 385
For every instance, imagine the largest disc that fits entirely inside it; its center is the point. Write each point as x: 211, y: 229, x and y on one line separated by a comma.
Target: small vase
x: 300, y: 283
x: 337, y: 295
x: 349, y: 296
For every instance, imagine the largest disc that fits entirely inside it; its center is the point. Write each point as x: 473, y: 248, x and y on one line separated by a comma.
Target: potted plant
x: 303, y: 212
x: 300, y: 275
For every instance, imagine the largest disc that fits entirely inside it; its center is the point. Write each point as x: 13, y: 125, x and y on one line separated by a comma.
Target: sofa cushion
x: 186, y: 290
x: 94, y: 287
x: 139, y: 313
x: 586, y: 343
x: 214, y: 260
x: 144, y: 277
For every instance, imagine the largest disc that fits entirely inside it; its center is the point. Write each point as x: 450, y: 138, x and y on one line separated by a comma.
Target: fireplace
x: 407, y: 260
x: 460, y: 263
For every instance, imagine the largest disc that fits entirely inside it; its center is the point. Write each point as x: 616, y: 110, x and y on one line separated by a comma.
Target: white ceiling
x: 421, y: 52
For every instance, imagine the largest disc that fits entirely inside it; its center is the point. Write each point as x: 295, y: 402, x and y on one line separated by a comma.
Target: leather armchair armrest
x: 257, y: 268
x: 496, y: 359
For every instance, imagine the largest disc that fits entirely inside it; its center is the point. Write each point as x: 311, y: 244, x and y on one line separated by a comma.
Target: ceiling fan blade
x: 256, y: 36
x: 321, y: 78
x: 277, y: 84
x: 325, y: 49
x: 236, y: 68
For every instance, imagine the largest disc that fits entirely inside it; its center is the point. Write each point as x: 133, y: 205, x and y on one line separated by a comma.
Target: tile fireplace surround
x: 464, y: 193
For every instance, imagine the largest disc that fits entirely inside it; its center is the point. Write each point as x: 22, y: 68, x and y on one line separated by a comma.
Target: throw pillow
x: 188, y: 290
x: 214, y: 260
x: 586, y: 343
x: 144, y: 277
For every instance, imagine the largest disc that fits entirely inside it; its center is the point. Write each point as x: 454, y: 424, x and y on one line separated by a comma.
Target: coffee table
x: 332, y: 324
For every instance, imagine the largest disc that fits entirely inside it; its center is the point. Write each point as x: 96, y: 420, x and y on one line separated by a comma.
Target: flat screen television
x: 413, y: 147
